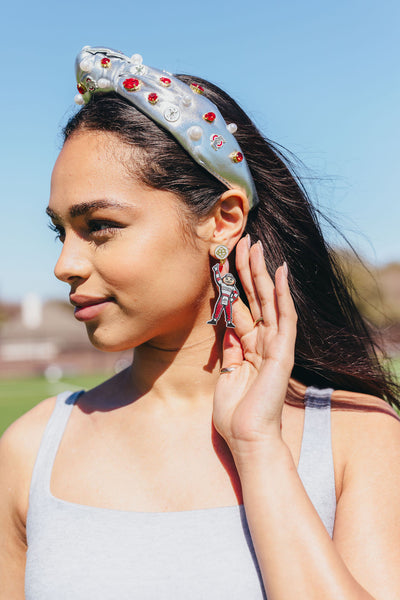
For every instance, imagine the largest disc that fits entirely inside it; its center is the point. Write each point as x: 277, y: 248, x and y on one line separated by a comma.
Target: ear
x: 228, y: 220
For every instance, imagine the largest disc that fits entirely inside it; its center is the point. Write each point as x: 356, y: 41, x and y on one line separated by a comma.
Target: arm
x: 367, y: 526
x: 18, y: 450
x: 12, y: 527
x: 296, y: 556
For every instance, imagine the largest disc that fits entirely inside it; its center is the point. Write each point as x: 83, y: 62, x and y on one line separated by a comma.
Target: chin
x: 111, y: 341
x: 119, y: 335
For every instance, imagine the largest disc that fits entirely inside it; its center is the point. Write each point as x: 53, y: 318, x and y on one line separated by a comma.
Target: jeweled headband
x: 183, y: 110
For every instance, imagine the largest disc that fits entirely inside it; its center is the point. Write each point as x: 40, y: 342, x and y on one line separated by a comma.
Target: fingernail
x: 248, y: 240
x: 261, y: 246
x: 285, y: 268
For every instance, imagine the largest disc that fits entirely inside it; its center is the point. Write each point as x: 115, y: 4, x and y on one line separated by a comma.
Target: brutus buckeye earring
x: 228, y: 292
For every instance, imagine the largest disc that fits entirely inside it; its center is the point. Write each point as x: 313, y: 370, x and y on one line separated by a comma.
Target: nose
x: 73, y: 262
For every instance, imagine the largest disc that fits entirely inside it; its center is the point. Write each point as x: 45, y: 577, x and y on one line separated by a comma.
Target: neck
x: 176, y: 375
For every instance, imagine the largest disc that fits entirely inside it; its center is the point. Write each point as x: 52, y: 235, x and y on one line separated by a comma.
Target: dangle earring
x: 228, y: 292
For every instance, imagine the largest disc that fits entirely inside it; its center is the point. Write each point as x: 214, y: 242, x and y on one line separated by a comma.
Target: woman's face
x: 135, y: 273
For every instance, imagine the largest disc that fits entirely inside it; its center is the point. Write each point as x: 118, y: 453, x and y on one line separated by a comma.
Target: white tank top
x: 78, y: 552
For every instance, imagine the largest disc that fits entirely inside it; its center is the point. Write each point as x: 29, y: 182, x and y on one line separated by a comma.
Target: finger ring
x: 227, y: 370
x: 257, y: 321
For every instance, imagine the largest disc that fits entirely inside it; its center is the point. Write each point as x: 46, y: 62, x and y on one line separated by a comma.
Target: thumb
x: 232, y: 353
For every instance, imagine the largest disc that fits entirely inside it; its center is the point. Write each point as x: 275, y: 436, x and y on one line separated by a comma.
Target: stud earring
x: 228, y: 292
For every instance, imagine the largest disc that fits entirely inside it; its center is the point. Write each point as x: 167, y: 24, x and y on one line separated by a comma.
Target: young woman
x: 242, y: 462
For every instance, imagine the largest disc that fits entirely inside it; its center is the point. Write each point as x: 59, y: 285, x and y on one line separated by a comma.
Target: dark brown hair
x: 334, y: 347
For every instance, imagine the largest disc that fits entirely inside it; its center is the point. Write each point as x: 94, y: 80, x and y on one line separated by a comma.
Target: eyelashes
x: 57, y: 229
x: 96, y: 229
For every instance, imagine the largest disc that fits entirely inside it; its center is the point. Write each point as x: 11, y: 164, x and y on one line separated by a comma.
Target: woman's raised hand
x: 248, y: 400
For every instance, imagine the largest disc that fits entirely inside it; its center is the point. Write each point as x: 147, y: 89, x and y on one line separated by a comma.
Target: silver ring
x: 227, y: 370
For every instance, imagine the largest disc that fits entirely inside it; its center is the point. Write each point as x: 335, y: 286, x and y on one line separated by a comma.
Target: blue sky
x: 320, y: 78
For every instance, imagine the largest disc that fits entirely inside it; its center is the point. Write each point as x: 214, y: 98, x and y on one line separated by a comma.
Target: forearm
x: 297, y: 558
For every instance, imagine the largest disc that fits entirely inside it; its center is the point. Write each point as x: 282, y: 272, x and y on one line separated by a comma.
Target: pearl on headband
x: 182, y: 109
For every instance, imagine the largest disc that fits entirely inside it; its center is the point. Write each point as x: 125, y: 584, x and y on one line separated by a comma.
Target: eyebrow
x: 78, y: 210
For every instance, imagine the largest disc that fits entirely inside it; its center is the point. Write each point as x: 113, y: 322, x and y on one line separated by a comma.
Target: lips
x: 82, y: 301
x: 88, y: 307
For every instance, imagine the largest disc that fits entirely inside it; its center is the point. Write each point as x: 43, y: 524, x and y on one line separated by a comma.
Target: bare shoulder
x: 366, y: 439
x: 365, y: 434
x: 357, y: 402
x: 360, y: 416
x: 26, y: 430
x: 19, y: 446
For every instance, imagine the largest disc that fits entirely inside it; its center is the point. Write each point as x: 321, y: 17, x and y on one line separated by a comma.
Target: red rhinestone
x: 196, y: 87
x: 236, y: 157
x: 210, y: 117
x: 105, y: 62
x: 131, y: 85
x: 152, y: 98
x: 165, y: 81
x: 81, y: 88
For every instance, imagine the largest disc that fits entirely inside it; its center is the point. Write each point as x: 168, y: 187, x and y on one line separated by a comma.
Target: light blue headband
x: 183, y: 110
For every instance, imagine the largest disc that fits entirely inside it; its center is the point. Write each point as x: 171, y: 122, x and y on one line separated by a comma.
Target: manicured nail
x: 261, y: 246
x: 248, y: 240
x: 285, y: 268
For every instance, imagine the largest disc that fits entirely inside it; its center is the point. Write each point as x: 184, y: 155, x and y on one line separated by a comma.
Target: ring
x: 257, y: 321
x: 227, y: 370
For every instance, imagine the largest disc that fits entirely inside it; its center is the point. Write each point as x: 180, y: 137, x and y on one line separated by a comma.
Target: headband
x: 181, y: 109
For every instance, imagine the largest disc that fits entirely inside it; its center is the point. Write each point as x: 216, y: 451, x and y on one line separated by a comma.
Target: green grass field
x: 17, y: 396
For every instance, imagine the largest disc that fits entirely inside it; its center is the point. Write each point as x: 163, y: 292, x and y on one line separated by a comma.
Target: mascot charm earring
x: 228, y: 292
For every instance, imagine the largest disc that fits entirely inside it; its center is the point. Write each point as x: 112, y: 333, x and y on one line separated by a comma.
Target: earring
x: 228, y: 292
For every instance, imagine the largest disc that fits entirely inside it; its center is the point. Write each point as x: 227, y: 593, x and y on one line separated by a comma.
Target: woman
x: 206, y: 469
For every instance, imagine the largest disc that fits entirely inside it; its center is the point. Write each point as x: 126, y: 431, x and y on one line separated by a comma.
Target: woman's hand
x: 248, y: 401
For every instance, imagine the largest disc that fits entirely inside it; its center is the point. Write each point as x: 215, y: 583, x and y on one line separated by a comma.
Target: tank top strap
x: 50, y: 442
x: 316, y: 467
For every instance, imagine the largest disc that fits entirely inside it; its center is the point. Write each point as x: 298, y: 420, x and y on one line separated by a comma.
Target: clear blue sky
x: 320, y: 78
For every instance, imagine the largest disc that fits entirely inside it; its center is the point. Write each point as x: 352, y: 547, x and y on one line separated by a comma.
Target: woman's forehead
x: 90, y: 174
x: 91, y: 166
x: 87, y: 148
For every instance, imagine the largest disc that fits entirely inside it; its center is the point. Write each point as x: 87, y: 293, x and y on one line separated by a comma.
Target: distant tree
x: 376, y: 291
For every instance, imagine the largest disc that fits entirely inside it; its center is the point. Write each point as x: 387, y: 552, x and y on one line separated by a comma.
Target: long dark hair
x: 334, y: 346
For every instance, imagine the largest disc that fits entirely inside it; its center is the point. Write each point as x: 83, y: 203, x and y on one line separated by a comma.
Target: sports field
x: 19, y: 395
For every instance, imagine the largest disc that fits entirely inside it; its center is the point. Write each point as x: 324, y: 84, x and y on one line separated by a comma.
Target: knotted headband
x: 181, y: 109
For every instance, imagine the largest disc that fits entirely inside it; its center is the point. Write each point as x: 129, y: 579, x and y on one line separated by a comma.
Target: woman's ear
x: 228, y: 219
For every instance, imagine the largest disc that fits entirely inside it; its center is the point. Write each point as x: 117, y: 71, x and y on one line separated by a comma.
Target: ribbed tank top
x: 79, y: 552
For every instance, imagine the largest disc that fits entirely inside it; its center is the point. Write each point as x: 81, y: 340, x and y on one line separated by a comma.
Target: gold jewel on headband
x: 182, y: 109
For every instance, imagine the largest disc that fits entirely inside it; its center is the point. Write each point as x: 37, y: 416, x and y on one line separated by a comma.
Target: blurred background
x: 319, y: 78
